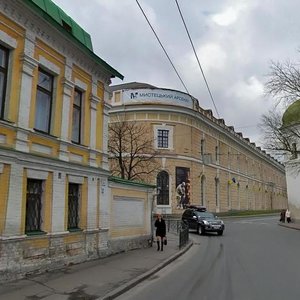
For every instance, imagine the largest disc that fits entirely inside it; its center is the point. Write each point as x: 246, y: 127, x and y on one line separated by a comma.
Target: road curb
x: 290, y: 225
x: 247, y: 216
x: 130, y: 284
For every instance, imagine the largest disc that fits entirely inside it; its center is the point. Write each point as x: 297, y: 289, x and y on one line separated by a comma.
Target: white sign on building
x: 157, y: 96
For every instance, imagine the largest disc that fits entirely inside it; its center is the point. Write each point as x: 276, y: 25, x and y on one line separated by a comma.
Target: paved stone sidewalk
x: 105, y: 278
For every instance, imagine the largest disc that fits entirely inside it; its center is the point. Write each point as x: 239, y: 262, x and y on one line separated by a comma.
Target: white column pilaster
x: 105, y: 130
x: 93, y: 106
x: 29, y: 65
x: 68, y: 87
x: 14, y: 204
x: 92, y: 203
x: 58, y: 202
x: 93, y: 131
x: 105, y: 195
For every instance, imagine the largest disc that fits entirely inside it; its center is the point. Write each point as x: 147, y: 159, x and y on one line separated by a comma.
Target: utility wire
x: 161, y: 45
x: 187, y: 31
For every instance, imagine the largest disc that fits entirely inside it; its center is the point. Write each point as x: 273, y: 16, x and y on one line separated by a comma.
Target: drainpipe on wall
x: 154, y: 197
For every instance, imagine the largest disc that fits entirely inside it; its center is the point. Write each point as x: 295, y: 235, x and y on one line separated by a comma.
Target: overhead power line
x: 162, y: 46
x: 187, y: 31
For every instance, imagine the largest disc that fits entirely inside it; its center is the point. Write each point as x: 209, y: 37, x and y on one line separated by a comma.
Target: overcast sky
x: 235, y: 41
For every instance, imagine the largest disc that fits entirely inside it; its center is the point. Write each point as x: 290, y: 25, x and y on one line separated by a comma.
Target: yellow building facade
x: 220, y: 168
x: 56, y: 198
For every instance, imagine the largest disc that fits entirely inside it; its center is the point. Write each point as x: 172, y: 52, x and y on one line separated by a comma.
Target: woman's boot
x: 157, y: 245
x: 162, y: 246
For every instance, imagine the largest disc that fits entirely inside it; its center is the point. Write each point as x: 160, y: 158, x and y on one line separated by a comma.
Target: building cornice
x: 49, y: 163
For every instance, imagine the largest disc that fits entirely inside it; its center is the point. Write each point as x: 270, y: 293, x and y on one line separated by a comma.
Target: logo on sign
x: 133, y: 95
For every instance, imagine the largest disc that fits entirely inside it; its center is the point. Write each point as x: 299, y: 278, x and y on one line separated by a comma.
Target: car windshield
x: 205, y: 215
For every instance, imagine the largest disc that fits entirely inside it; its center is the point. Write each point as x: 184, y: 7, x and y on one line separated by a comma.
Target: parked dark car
x: 202, y: 220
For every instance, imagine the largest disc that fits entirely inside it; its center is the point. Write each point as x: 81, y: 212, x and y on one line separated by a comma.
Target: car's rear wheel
x: 220, y: 232
x: 201, y: 230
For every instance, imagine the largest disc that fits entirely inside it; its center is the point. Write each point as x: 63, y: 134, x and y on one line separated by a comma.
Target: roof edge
x: 97, y: 59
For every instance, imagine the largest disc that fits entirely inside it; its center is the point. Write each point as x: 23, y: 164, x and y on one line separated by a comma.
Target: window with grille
x: 34, y: 194
x: 73, y: 206
x: 162, y: 138
x: 76, y: 123
x: 162, y: 182
x: 44, y: 97
x: 3, y: 78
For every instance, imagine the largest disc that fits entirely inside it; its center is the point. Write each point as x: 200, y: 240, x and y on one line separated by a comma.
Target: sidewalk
x: 290, y: 225
x: 105, y: 278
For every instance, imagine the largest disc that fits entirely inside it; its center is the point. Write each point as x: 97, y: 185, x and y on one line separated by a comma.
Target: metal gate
x: 180, y: 228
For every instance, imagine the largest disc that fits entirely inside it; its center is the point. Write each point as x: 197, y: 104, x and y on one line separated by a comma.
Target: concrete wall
x: 293, y: 187
x: 130, y: 222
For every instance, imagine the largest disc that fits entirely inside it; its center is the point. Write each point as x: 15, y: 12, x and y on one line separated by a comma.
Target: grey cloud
x: 263, y: 30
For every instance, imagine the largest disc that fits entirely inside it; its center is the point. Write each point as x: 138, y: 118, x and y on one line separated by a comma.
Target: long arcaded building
x: 220, y: 168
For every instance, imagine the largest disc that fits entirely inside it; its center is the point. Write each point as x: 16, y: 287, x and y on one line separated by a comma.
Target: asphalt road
x: 255, y: 259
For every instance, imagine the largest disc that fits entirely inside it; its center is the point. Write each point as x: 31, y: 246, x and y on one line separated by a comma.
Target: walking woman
x: 160, y: 225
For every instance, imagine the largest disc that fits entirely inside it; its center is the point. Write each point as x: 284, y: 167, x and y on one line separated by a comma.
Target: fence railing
x: 183, y: 235
x: 178, y: 227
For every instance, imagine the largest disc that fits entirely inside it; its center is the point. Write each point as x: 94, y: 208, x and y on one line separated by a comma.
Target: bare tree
x: 284, y: 85
x: 284, y: 81
x: 277, y: 139
x: 131, y: 151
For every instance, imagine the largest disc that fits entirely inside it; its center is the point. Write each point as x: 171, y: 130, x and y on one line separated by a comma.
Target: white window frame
x: 82, y: 94
x: 10, y: 44
x: 81, y: 87
x: 170, y: 137
x: 52, y: 69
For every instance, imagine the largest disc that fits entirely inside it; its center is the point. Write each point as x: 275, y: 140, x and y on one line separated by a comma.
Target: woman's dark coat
x: 160, y: 227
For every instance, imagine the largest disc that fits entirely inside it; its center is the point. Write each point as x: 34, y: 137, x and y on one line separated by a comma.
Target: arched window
x: 202, y: 191
x: 162, y: 182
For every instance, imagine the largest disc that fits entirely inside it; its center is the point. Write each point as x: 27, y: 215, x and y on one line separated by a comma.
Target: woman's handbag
x: 165, y: 241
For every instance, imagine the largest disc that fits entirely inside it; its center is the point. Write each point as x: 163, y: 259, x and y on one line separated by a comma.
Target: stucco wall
x: 293, y: 187
x: 130, y: 221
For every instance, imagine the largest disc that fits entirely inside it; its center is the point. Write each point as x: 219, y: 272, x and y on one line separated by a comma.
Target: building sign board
x: 157, y: 96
